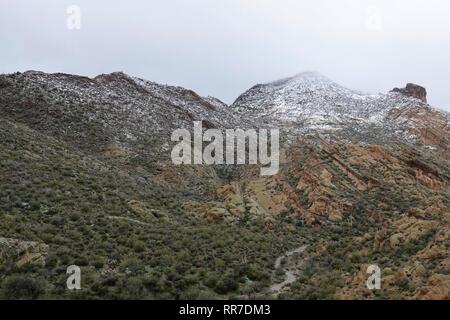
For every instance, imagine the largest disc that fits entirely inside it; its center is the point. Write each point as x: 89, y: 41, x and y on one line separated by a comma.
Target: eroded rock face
x: 23, y: 252
x: 413, y: 90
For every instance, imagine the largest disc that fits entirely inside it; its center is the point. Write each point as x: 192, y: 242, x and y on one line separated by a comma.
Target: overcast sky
x: 223, y: 47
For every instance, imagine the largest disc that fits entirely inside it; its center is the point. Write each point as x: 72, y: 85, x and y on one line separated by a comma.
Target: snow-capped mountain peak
x: 309, y: 102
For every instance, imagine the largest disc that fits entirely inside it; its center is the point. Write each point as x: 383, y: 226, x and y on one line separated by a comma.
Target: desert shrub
x: 18, y: 287
x: 132, y: 265
x: 97, y: 262
x: 227, y: 283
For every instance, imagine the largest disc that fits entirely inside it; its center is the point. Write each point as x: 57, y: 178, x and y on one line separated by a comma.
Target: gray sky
x: 221, y: 48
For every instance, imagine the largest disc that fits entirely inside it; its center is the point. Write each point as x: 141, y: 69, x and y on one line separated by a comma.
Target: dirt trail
x: 129, y: 220
x: 291, y: 274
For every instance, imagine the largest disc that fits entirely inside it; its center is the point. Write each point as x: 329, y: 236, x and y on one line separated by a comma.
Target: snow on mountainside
x: 111, y: 108
x: 321, y: 102
x: 311, y: 103
x: 118, y: 108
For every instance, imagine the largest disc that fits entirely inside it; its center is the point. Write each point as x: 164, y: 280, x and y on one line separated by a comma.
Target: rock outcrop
x: 23, y: 252
x: 413, y: 90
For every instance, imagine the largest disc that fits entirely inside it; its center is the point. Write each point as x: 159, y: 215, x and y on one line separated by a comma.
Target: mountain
x: 311, y: 103
x: 86, y: 179
x: 115, y: 117
x: 113, y: 108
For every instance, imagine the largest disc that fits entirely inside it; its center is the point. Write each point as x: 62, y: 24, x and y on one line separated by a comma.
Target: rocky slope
x: 311, y: 103
x: 86, y: 179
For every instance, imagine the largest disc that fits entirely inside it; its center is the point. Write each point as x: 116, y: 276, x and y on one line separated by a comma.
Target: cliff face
x: 413, y: 90
x: 363, y: 179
